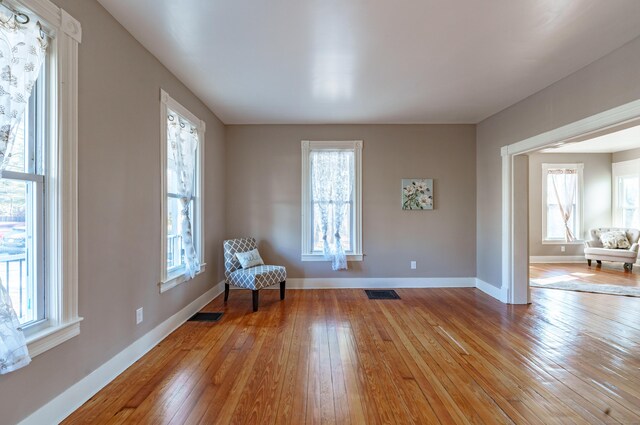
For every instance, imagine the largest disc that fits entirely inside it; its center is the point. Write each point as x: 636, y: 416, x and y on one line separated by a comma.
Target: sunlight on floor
x: 583, y: 274
x: 555, y: 279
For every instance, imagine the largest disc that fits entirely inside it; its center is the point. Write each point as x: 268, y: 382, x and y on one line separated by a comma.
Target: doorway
x: 574, y: 190
x: 515, y: 222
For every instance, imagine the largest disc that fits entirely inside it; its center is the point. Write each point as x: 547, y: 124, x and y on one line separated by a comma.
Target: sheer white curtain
x: 564, y: 182
x: 331, y: 188
x: 183, y: 143
x: 22, y: 50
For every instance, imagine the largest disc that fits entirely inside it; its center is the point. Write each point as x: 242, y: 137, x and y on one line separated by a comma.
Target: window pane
x: 345, y: 227
x: 331, y: 176
x: 17, y: 159
x: 563, y: 186
x: 566, y: 187
x: 27, y: 154
x: 555, y: 224
x: 628, y: 200
x: 18, y: 250
x: 172, y: 179
x: 172, y: 174
x: 175, y: 253
x: 174, y: 240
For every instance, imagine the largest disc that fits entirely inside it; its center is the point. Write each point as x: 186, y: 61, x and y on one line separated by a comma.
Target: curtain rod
x: 20, y: 17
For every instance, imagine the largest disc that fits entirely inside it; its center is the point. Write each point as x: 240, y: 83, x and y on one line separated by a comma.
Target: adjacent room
x: 297, y: 212
x: 579, y: 193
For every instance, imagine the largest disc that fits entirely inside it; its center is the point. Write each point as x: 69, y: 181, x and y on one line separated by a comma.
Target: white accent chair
x: 593, y: 249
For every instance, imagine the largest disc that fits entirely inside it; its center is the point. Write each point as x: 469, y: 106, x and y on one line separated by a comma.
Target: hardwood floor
x: 435, y: 356
x: 608, y: 273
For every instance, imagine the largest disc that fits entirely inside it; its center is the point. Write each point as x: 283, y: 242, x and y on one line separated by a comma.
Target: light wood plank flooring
x: 435, y: 356
x: 608, y: 273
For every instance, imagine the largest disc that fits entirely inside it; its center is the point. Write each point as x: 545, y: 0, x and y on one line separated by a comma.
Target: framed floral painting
x: 417, y: 194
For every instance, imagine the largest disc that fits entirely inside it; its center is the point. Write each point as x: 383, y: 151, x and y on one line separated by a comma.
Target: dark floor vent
x: 384, y: 294
x: 205, y: 317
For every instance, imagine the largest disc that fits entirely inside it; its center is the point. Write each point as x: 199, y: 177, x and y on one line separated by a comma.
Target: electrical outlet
x: 413, y: 265
x: 139, y: 316
x: 562, y: 248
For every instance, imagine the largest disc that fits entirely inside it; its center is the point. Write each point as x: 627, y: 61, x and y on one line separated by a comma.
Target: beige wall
x: 604, y: 84
x: 119, y: 201
x: 596, y: 192
x: 626, y: 155
x: 264, y: 191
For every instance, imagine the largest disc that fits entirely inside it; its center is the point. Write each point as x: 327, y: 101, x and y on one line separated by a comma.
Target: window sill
x: 560, y: 242
x: 320, y: 257
x: 52, y: 336
x: 172, y: 282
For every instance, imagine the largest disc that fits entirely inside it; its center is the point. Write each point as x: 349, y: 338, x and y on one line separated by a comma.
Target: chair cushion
x: 615, y: 239
x: 257, y: 277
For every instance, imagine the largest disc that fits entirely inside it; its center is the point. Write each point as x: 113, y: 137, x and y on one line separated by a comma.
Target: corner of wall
x: 499, y: 294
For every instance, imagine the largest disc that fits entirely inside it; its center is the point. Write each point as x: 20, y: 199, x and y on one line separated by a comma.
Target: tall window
x: 626, y: 193
x: 331, y: 196
x: 562, y: 202
x: 182, y: 204
x: 38, y: 188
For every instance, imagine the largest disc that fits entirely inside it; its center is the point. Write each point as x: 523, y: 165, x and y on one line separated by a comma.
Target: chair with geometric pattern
x: 254, y: 278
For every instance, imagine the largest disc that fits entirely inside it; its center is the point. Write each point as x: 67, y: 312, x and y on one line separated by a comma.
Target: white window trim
x: 629, y: 168
x: 307, y: 147
x: 167, y: 102
x: 579, y: 207
x: 61, y: 180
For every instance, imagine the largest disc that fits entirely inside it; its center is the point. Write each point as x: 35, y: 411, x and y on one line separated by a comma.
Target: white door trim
x: 598, y: 122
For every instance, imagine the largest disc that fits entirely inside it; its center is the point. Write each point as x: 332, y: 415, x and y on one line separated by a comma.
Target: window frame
x: 168, y: 281
x: 61, y: 178
x: 307, y: 253
x: 579, y: 204
x: 619, y: 170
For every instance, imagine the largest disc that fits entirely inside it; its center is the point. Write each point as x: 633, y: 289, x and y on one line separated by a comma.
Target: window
x: 22, y: 212
x: 331, y: 198
x: 38, y: 191
x: 626, y: 193
x: 561, y: 203
x: 182, y: 189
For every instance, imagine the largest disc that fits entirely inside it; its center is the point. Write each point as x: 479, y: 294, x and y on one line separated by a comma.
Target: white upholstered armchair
x: 625, y: 252
x: 253, y: 277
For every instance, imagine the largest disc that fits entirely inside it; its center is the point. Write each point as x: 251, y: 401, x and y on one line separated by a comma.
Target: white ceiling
x: 619, y: 141
x: 373, y: 61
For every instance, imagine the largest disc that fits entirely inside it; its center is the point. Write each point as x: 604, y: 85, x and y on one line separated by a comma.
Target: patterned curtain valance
x: 558, y: 171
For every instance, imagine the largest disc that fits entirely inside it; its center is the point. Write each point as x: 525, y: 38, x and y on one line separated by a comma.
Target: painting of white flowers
x: 417, y: 194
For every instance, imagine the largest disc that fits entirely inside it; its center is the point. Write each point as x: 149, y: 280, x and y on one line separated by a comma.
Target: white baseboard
x: 494, y: 291
x: 380, y: 282
x: 67, y: 402
x: 557, y: 259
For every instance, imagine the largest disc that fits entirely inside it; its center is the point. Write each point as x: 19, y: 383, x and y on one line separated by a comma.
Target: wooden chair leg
x: 255, y: 300
x: 282, y: 285
x: 589, y: 263
x: 226, y: 292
